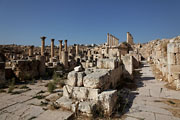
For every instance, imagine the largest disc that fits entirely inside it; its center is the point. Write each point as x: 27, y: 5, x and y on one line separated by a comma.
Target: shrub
x: 11, y: 86
x: 51, y: 87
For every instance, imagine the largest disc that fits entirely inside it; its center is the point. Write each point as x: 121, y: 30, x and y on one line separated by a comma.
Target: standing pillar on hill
x: 52, y: 48
x: 42, y: 45
x: 60, y: 49
x: 77, y: 50
x: 65, y: 56
x: 107, y: 39
x: 66, y: 49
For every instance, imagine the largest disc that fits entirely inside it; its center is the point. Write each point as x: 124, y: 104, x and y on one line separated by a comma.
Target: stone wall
x: 165, y: 55
x: 173, y: 62
x: 2, y: 74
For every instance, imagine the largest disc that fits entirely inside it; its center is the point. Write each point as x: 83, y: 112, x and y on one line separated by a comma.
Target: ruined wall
x: 2, y: 74
x: 94, y: 86
x: 164, y: 55
x: 173, y: 62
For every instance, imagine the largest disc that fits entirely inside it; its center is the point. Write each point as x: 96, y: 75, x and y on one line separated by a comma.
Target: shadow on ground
x: 128, y: 93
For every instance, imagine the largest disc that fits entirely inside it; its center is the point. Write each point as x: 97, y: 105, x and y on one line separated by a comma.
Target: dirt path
x: 152, y: 101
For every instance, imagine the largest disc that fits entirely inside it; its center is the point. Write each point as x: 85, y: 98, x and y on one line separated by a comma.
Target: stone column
x: 66, y: 45
x: 113, y: 39
x: 42, y: 45
x: 52, y: 48
x: 107, y: 39
x: 60, y: 49
x: 110, y: 42
x: 31, y: 51
x: 65, y: 59
x: 117, y: 41
x: 77, y: 50
x: 89, y: 54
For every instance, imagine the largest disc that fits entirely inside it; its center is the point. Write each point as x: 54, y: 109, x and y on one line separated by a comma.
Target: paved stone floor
x: 147, y: 99
x: 25, y: 107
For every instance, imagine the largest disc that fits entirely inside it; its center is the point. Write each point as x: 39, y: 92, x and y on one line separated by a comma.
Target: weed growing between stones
x: 51, y: 87
x: 11, y: 86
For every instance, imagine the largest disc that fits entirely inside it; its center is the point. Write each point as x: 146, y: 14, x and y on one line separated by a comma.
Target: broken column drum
x: 31, y: 51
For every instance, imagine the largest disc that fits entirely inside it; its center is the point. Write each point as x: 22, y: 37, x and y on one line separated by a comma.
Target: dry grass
x: 175, y: 104
x: 158, y: 76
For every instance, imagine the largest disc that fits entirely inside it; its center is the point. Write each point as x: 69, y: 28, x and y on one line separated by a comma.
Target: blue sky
x: 87, y: 21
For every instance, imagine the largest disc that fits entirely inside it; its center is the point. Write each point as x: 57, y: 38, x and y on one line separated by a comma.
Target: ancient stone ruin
x: 87, y: 80
x: 164, y: 54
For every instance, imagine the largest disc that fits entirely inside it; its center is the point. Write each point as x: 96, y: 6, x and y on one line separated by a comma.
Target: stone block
x: 178, y: 58
x: 86, y: 107
x: 177, y: 84
x: 72, y: 78
x: 98, y: 79
x: 67, y: 91
x: 80, y: 76
x: 174, y: 68
x: 93, y: 94
x: 78, y: 69
x: 172, y: 48
x: 108, y: 99
x: 107, y: 63
x: 171, y: 58
x: 65, y: 102
x: 80, y: 93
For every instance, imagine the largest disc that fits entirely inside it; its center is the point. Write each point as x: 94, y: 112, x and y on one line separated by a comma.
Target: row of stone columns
x: 52, y: 47
x: 112, y: 40
x: 63, y: 55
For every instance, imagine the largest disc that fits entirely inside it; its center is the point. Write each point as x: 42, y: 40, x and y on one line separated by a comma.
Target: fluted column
x: 113, y: 39
x: 110, y: 42
x: 60, y: 49
x: 52, y: 48
x: 66, y: 45
x: 107, y: 39
x: 42, y: 45
x: 77, y: 50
